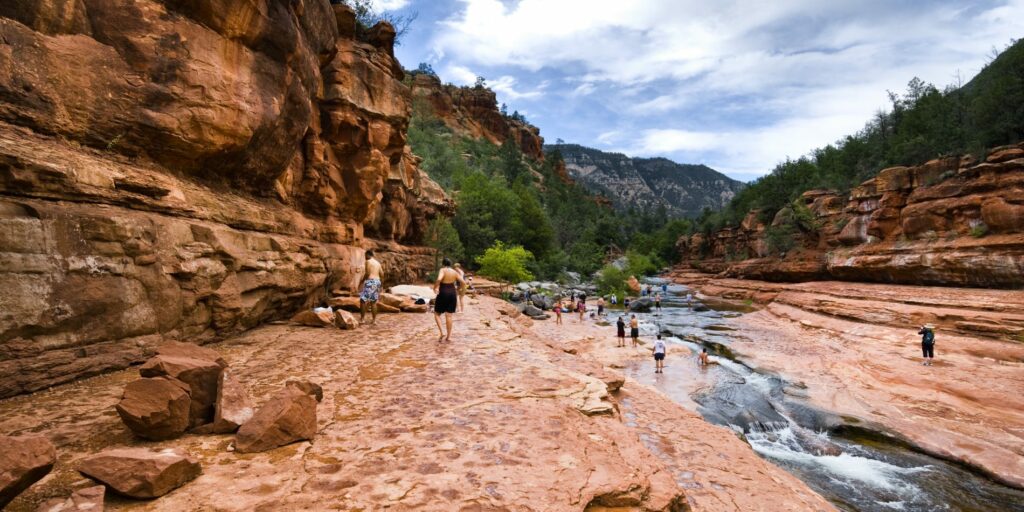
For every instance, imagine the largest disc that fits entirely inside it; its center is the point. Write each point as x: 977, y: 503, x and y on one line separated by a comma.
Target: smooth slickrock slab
x: 288, y: 417
x: 156, y: 408
x: 190, y: 350
x: 23, y: 461
x: 201, y: 375
x: 140, y: 473
x: 89, y: 499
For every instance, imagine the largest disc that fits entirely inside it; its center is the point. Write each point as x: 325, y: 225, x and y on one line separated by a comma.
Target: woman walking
x: 448, y: 282
x: 462, y: 289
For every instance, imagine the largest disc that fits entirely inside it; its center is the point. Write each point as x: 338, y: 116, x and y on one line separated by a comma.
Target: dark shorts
x: 600, y: 310
x: 634, y: 332
x: 622, y: 332
x: 659, y: 356
x: 928, y: 349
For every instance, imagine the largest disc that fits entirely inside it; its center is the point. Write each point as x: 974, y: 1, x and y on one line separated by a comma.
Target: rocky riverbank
x: 852, y: 349
x: 504, y: 417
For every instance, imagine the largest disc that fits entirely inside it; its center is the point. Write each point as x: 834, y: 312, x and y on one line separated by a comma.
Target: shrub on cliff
x: 505, y: 264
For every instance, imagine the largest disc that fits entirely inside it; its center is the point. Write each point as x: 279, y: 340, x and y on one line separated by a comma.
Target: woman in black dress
x: 449, y: 281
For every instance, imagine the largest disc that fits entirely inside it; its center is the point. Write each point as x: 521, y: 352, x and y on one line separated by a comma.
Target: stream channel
x: 855, y: 469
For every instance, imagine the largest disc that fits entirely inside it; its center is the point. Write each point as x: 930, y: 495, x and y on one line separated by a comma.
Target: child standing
x: 581, y: 307
x: 659, y: 355
x: 558, y: 313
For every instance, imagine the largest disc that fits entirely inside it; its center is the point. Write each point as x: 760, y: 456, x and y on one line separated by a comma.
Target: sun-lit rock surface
x: 855, y: 349
x: 489, y: 420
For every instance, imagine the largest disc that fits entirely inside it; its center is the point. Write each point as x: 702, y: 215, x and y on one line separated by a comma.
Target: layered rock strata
x: 171, y: 170
x: 950, y: 222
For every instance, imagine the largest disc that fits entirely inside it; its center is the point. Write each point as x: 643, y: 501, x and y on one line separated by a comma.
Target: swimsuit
x: 447, y: 300
x: 622, y: 329
x: 371, y: 291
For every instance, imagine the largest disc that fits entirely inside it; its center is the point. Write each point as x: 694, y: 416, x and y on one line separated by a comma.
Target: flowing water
x: 855, y: 469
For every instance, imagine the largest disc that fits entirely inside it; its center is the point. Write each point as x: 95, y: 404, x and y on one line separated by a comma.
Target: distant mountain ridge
x: 647, y: 183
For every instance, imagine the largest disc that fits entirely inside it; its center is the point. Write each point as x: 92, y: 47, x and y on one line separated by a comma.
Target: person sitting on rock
x: 615, y: 299
x: 927, y: 333
x: 371, y: 288
x: 634, y: 330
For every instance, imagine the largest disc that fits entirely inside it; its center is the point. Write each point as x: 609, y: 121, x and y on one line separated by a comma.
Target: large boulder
x: 346, y: 303
x: 89, y: 499
x: 233, y: 408
x: 641, y: 305
x: 395, y: 301
x: 308, y: 387
x: 23, y: 461
x: 408, y: 290
x: 140, y: 473
x: 542, y: 302
x: 156, y: 408
x: 310, y: 318
x: 201, y: 375
x: 345, y: 320
x: 288, y: 417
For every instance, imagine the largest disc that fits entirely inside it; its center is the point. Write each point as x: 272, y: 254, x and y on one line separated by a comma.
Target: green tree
x: 443, y: 237
x: 505, y: 264
x: 612, y: 279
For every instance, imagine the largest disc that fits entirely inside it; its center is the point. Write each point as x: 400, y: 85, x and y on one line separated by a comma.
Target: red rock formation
x: 951, y: 221
x: 189, y: 170
x: 473, y: 112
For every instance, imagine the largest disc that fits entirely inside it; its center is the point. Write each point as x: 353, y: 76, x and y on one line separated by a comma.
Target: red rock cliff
x: 188, y: 170
x: 952, y: 221
x: 473, y: 112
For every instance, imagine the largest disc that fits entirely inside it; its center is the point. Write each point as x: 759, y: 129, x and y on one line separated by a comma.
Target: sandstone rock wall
x: 473, y: 111
x: 951, y: 221
x: 188, y: 170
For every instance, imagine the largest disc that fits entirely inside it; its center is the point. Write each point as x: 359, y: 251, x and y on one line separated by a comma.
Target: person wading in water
x: 371, y: 288
x: 447, y: 290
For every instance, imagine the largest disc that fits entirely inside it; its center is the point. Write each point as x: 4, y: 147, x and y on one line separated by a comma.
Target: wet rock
x: 201, y: 376
x: 542, y: 302
x: 289, y: 416
x: 310, y: 318
x: 345, y: 320
x: 89, y: 499
x: 415, y: 308
x: 23, y: 461
x: 385, y: 308
x: 394, y: 301
x: 156, y: 408
x: 347, y: 303
x: 408, y: 290
x: 190, y: 350
x: 310, y: 388
x: 233, y: 408
x: 140, y: 473
x: 641, y: 305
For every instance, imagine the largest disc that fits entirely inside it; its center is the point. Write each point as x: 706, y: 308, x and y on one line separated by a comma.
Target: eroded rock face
x: 23, y: 461
x: 951, y: 221
x: 156, y: 409
x: 140, y: 473
x: 473, y: 112
x: 189, y: 170
x: 288, y: 417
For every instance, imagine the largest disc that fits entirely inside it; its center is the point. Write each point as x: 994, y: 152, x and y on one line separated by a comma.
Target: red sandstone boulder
x: 310, y: 318
x: 345, y: 320
x: 23, y: 461
x: 201, y: 375
x: 190, y: 350
x: 288, y: 417
x: 140, y: 473
x: 346, y: 303
x: 157, y: 408
x: 395, y: 301
x: 233, y: 408
x: 415, y: 308
x: 89, y: 499
x: 308, y: 387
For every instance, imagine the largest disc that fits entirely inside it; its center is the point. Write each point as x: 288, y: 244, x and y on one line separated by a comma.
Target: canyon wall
x: 473, y: 112
x: 949, y: 222
x: 188, y: 170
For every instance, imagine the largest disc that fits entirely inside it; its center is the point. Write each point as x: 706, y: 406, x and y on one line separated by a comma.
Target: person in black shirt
x: 927, y: 333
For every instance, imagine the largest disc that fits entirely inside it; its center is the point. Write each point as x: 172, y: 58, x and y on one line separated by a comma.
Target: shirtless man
x: 371, y: 288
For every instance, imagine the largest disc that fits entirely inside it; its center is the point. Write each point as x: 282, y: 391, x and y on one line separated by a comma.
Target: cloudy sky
x: 737, y: 85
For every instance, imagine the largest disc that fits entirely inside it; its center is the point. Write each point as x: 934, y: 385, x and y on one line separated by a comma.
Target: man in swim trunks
x: 371, y: 288
x: 634, y: 330
x: 621, y: 331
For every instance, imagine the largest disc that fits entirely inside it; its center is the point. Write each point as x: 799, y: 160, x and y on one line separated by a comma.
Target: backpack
x: 929, y: 337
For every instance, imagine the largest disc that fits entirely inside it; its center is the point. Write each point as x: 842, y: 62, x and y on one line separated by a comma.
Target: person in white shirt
x: 660, y: 349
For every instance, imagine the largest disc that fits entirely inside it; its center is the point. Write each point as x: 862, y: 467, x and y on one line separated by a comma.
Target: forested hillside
x: 924, y: 123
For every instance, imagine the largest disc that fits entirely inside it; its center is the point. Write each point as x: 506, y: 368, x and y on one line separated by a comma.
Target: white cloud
x: 459, y: 75
x: 505, y: 87
x: 389, y: 5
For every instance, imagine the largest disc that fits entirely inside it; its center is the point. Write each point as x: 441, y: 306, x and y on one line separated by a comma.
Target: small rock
x: 310, y: 388
x: 140, y: 473
x: 310, y: 318
x: 190, y: 350
x: 233, y: 407
x: 201, y: 376
x: 345, y: 320
x: 385, y: 308
x: 23, y: 461
x: 157, y: 408
x: 289, y: 416
x: 89, y: 499
x: 415, y: 308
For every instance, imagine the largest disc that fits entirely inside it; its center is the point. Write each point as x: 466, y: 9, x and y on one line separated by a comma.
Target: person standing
x: 659, y: 355
x: 664, y: 287
x: 371, y: 288
x: 620, y: 327
x: 581, y: 308
x: 447, y: 301
x: 462, y: 289
x: 634, y: 330
x: 600, y: 306
x: 927, y: 333
x: 558, y: 313
x: 657, y: 302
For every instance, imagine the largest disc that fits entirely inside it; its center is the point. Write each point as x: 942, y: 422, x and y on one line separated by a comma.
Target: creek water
x: 855, y: 469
